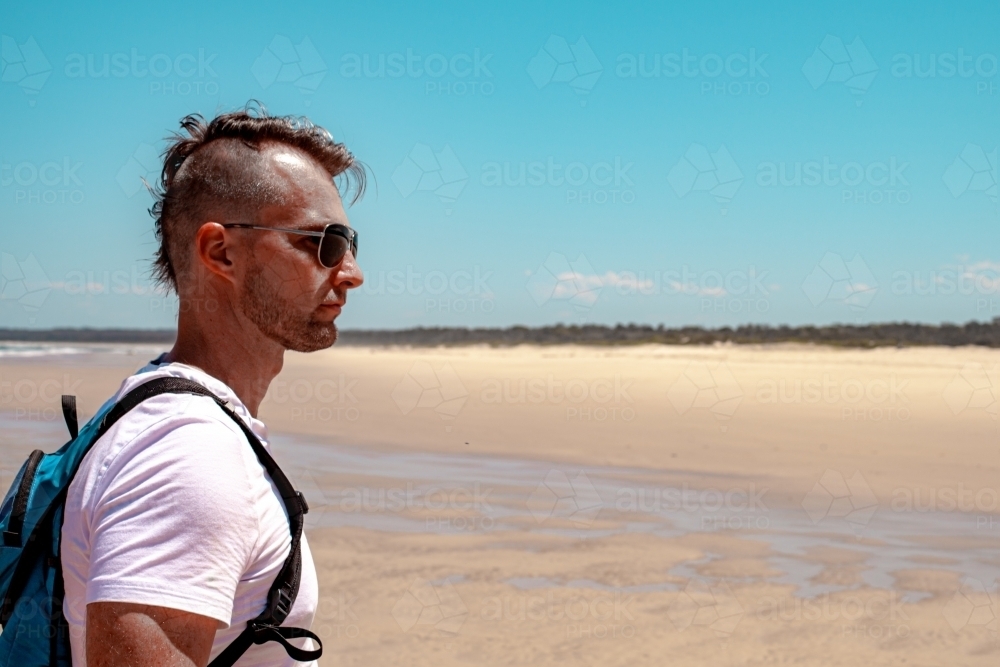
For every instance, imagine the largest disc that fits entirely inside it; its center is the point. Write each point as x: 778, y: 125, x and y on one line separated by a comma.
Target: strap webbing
x: 285, y: 588
x: 69, y: 414
x: 254, y: 634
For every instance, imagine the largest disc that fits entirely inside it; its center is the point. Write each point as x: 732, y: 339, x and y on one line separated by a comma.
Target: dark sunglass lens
x: 332, y: 249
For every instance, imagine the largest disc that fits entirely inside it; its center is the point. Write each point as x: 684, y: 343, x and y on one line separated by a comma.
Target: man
x: 173, y: 532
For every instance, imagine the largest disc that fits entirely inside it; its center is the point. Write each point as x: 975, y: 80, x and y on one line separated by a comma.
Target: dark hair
x: 216, y: 168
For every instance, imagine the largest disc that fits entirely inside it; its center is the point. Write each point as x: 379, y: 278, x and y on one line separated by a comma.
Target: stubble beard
x: 280, y: 318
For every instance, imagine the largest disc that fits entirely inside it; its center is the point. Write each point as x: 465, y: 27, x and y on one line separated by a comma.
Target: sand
x: 571, y: 505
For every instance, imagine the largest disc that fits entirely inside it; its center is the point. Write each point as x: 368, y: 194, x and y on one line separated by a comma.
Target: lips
x: 332, y: 305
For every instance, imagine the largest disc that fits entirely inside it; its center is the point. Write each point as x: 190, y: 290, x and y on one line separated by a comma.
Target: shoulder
x: 173, y: 451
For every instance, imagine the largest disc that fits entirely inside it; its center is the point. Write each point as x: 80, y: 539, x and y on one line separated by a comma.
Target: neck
x: 231, y: 349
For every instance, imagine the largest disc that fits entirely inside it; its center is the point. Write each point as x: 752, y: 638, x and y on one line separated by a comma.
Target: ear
x: 213, y: 249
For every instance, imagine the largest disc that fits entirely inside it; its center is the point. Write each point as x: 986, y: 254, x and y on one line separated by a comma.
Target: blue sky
x: 712, y: 163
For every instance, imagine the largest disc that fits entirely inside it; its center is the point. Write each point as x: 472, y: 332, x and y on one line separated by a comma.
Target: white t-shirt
x: 172, y: 508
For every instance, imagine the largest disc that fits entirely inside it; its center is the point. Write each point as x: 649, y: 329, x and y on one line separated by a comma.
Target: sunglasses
x: 334, y: 241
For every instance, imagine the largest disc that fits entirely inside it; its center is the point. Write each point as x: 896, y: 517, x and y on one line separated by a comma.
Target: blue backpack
x: 34, y: 632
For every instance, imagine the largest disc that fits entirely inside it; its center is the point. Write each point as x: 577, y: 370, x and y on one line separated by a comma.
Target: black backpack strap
x: 281, y: 596
x: 69, y: 414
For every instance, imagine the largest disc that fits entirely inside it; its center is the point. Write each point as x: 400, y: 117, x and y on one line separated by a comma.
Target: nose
x: 348, y: 275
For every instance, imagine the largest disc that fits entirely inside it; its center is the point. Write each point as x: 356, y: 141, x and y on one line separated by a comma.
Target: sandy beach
x: 611, y: 506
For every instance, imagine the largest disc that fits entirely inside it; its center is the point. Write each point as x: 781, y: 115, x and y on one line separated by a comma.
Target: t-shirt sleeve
x: 172, y: 524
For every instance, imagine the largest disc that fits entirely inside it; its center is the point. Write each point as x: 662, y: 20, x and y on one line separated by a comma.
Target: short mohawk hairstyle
x: 223, y: 174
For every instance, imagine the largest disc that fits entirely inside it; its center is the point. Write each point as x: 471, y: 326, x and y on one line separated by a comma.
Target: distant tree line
x: 900, y: 334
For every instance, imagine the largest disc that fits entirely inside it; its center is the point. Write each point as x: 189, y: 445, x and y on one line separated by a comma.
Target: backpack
x: 35, y: 633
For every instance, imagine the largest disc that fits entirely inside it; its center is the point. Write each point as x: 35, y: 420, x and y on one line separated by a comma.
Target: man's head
x: 254, y: 169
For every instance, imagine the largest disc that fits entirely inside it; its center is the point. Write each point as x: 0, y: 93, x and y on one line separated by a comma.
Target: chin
x: 316, y: 336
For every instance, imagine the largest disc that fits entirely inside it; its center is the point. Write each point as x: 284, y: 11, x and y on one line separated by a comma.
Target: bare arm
x: 121, y: 634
